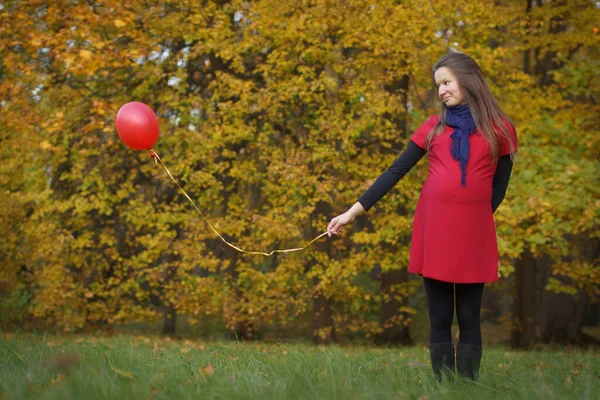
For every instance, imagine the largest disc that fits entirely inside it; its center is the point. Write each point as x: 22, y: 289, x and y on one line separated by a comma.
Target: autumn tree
x: 275, y: 116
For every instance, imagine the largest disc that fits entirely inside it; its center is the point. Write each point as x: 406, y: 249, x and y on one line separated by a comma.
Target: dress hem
x: 443, y: 279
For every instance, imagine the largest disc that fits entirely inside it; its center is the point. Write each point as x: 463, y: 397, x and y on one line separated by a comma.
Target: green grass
x: 136, y: 367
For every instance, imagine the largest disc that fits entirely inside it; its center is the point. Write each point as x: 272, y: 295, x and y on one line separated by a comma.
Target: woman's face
x: 448, y: 88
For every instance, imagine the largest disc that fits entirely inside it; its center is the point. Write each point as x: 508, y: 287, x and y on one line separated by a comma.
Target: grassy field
x: 136, y: 367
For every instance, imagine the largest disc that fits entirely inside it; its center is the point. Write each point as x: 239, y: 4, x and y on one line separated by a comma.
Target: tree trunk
x: 323, y: 328
x: 394, y: 330
x: 561, y: 319
x: 400, y: 88
x: 242, y: 330
x: 527, y: 52
x: 169, y: 321
x: 525, y: 302
x: 561, y: 316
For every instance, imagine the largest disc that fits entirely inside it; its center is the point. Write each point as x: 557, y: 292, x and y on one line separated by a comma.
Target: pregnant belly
x: 449, y: 189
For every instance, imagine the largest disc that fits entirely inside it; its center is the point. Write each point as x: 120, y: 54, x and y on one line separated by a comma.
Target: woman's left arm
x: 500, y: 182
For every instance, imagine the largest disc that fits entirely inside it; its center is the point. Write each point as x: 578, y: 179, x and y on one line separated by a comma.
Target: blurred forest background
x: 275, y: 116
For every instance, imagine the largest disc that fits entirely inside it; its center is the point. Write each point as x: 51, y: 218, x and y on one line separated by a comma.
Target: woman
x: 471, y: 146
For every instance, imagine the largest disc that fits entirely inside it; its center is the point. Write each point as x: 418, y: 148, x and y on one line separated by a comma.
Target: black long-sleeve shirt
x: 409, y: 157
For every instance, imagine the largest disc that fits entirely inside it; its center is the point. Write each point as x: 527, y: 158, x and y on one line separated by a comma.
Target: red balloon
x: 137, y: 125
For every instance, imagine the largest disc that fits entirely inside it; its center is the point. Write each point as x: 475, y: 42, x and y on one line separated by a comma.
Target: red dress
x: 454, y: 236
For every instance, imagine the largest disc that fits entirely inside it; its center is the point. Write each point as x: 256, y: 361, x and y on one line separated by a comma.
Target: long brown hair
x: 487, y: 114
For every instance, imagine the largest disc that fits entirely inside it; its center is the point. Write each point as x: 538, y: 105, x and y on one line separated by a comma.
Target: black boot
x: 442, y: 359
x: 468, y: 359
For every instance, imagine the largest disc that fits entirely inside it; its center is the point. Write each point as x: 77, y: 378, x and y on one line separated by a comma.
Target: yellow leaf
x: 155, y: 390
x: 208, y: 371
x: 119, y: 23
x: 36, y: 42
x: 45, y: 145
x: 126, y: 374
x: 68, y: 60
x: 57, y: 379
x: 85, y: 54
x: 569, y: 381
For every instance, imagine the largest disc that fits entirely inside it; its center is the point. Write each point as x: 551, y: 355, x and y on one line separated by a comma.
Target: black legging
x: 440, y: 301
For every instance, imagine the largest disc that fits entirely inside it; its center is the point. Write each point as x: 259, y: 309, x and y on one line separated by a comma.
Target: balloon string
x: 158, y: 160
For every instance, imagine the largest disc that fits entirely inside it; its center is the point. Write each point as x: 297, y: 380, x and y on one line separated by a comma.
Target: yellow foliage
x: 275, y: 116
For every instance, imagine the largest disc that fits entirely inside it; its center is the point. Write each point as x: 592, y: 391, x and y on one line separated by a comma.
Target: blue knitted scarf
x: 460, y: 118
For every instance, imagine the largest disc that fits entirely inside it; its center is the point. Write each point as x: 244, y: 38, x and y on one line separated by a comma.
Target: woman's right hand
x: 336, y: 224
